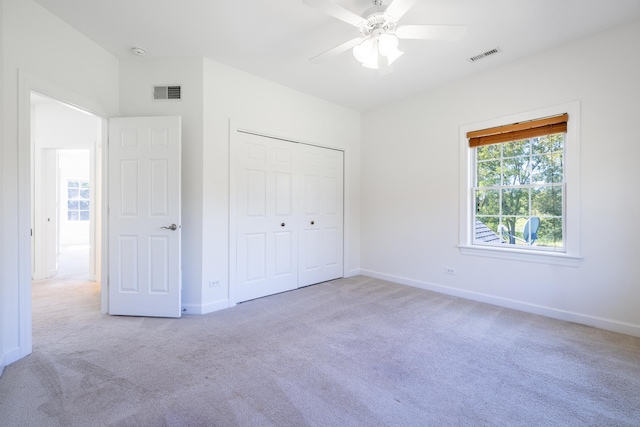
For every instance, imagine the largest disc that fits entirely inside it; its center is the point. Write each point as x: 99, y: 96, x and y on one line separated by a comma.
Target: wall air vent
x: 484, y: 54
x: 167, y: 93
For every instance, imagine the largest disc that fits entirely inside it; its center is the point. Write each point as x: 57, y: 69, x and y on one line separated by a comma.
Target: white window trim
x: 571, y: 254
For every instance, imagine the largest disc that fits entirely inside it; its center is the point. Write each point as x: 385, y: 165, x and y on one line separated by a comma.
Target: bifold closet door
x: 267, y: 247
x: 321, y: 214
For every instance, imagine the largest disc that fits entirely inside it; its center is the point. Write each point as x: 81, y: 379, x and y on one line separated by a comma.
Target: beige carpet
x: 356, y: 351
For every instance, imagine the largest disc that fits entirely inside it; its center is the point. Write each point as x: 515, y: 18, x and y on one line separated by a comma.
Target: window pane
x: 555, y: 173
x: 84, y: 184
x: 515, y: 201
x: 486, y: 230
x: 547, y: 168
x: 487, y: 202
x: 84, y: 215
x: 489, y: 173
x: 72, y: 193
x: 487, y: 152
x: 548, y: 143
x: 508, y: 229
x: 84, y: 205
x: 516, y: 148
x: 550, y: 233
x: 546, y: 201
x: 515, y: 171
x: 72, y: 184
x: 72, y: 215
x: 84, y: 193
x: 72, y: 205
x: 491, y: 222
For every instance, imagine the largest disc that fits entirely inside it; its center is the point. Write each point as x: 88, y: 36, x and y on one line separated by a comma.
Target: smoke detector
x: 138, y: 51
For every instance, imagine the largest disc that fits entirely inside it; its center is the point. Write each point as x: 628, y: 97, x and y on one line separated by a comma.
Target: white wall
x: 260, y: 105
x: 40, y: 51
x: 58, y: 126
x: 212, y: 94
x: 410, y: 175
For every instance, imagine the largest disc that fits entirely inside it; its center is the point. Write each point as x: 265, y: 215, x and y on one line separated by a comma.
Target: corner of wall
x: 205, y: 308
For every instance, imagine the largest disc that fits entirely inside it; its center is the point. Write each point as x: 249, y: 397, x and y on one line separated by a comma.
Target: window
x: 518, y: 187
x: 519, y: 191
x: 78, y: 200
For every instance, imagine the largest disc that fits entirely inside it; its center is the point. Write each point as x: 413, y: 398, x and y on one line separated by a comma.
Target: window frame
x: 570, y: 255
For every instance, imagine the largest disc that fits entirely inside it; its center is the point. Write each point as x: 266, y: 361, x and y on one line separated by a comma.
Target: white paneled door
x: 321, y: 209
x: 144, y: 216
x: 267, y: 249
x: 289, y: 215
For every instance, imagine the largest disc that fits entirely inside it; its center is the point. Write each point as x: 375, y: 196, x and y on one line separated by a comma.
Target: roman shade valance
x: 518, y: 131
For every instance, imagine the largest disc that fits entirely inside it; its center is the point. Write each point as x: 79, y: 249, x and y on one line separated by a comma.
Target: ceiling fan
x: 377, y: 46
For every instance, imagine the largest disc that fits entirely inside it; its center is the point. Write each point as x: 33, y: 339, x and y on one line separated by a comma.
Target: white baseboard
x: 354, y: 272
x: 11, y: 356
x: 555, y: 313
x: 205, y: 308
x: 2, y: 364
x: 215, y: 306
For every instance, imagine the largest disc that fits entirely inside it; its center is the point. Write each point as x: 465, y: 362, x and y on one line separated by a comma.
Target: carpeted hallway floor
x: 351, y: 352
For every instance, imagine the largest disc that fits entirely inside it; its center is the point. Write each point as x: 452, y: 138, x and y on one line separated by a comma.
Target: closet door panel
x: 266, y: 245
x: 321, y: 216
x: 289, y: 204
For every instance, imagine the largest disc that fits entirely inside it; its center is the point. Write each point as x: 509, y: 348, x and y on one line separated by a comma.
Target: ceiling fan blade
x: 336, y: 11
x: 431, y: 32
x: 336, y: 50
x: 398, y: 8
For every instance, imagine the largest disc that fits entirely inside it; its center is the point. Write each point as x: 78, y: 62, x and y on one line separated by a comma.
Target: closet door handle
x: 282, y: 224
x: 313, y: 222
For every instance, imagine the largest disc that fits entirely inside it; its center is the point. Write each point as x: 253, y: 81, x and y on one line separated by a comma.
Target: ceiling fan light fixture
x: 372, y: 61
x: 375, y: 49
x: 365, y: 50
x: 388, y: 44
x: 392, y: 56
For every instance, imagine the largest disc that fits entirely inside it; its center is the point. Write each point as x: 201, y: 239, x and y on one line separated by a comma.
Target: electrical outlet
x: 450, y: 270
x: 214, y: 283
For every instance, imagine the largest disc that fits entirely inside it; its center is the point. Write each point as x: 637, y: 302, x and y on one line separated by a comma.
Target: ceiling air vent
x: 166, y: 93
x: 484, y: 54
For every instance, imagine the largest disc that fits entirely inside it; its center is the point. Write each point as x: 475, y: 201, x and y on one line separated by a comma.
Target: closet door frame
x: 234, y: 128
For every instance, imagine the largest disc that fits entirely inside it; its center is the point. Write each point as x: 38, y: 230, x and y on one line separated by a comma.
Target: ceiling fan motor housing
x: 377, y: 22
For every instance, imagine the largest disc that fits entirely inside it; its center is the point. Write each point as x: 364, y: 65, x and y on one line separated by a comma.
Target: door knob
x: 313, y: 222
x: 172, y: 227
x: 282, y: 225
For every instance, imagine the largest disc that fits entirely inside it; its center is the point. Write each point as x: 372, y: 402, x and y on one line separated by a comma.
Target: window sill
x: 552, y: 258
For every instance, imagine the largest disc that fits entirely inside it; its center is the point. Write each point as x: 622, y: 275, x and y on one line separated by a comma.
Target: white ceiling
x: 274, y: 39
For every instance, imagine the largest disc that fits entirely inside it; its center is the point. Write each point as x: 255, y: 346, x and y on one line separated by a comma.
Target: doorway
x: 74, y: 214
x: 66, y: 190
